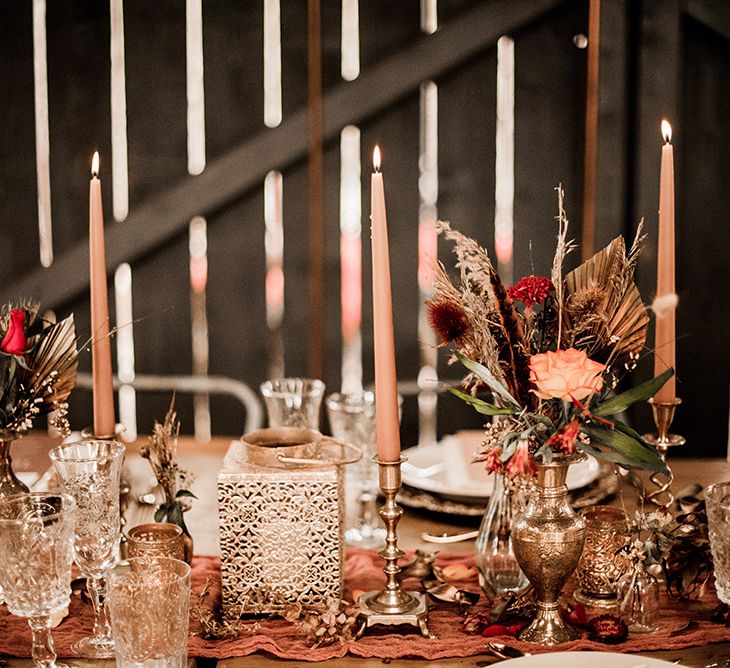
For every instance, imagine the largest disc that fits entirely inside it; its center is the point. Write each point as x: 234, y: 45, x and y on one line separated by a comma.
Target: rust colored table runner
x: 363, y: 572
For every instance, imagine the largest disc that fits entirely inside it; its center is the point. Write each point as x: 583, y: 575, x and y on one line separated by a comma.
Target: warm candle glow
x: 95, y: 164
x: 666, y: 131
x: 376, y: 158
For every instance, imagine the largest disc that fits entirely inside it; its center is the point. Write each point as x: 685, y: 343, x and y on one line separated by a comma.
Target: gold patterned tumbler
x: 156, y: 540
x: 600, y: 566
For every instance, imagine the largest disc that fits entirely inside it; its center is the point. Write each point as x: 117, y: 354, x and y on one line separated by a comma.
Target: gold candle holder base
x: 662, y: 440
x: 392, y: 606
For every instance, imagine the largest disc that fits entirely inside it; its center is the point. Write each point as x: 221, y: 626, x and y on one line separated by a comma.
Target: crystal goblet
x: 90, y: 472
x: 36, y: 552
x: 293, y: 402
x: 352, y: 420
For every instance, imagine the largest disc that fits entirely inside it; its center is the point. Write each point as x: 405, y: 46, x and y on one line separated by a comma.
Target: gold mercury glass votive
x: 600, y: 566
x: 156, y: 540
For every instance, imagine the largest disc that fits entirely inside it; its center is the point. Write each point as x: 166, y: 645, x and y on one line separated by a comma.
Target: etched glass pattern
x: 352, y: 420
x: 36, y: 554
x: 717, y: 500
x: 149, y: 599
x: 36, y: 551
x: 90, y: 471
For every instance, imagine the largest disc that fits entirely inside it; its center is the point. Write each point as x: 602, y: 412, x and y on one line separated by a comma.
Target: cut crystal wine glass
x: 90, y: 471
x: 36, y: 552
x: 352, y: 420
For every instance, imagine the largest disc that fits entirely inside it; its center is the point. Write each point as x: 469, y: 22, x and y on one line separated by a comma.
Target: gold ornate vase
x: 548, y: 540
x: 9, y: 483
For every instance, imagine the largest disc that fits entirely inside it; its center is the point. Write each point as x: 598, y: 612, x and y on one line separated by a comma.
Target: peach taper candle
x: 665, y: 302
x: 386, y: 390
x: 101, y: 352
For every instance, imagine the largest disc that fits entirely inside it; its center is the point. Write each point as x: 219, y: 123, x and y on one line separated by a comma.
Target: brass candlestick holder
x: 662, y: 440
x: 392, y: 606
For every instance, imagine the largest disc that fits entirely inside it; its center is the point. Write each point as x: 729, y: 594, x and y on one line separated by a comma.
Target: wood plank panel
x: 168, y: 212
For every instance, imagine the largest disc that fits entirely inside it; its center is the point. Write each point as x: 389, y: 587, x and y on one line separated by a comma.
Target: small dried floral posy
x: 552, y: 364
x: 161, y: 451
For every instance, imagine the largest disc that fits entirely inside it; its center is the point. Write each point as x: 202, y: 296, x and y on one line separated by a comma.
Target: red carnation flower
x: 14, y: 342
x: 448, y: 319
x: 531, y: 290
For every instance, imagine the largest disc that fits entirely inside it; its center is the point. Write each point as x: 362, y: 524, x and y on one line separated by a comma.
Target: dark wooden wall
x: 657, y: 58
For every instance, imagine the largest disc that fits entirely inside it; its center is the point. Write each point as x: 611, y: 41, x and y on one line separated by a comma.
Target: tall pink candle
x: 101, y: 352
x: 666, y: 300
x: 386, y: 391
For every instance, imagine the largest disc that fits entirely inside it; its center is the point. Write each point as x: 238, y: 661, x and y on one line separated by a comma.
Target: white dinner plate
x: 445, y: 468
x: 584, y: 659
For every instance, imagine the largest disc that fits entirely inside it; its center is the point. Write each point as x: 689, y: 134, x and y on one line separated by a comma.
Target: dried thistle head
x: 586, y: 303
x: 448, y: 319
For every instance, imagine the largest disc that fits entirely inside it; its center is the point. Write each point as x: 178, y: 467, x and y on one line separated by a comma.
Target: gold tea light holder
x: 663, y: 413
x: 392, y: 606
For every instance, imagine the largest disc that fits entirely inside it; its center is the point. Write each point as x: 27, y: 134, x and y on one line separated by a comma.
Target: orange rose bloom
x: 565, y: 374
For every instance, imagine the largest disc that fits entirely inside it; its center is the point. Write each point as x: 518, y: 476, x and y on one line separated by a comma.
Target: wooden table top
x: 205, y: 461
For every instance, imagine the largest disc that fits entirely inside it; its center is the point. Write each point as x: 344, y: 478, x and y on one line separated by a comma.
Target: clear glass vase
x: 638, y: 599
x: 495, y: 555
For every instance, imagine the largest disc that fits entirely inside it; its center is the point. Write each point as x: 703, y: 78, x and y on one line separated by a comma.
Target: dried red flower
x: 564, y: 439
x: 493, y: 460
x: 521, y: 462
x: 531, y: 290
x: 608, y: 629
x: 448, y: 319
x: 501, y: 630
x: 577, y: 615
x: 14, y: 342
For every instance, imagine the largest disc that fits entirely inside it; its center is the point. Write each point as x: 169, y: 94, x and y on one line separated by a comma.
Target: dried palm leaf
x: 604, y: 312
x: 51, y: 372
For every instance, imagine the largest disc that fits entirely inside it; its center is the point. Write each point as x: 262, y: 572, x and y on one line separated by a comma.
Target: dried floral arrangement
x: 161, y: 451
x: 38, y: 363
x: 551, y: 351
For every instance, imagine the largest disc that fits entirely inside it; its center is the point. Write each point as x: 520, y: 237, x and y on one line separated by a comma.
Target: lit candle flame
x: 95, y: 164
x: 376, y: 158
x: 666, y: 131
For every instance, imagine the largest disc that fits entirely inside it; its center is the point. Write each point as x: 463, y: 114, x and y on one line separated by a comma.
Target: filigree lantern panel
x: 281, y: 537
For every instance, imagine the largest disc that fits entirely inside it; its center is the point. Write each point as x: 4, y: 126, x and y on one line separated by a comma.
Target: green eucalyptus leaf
x: 174, y: 515
x: 625, y: 449
x: 642, y: 392
x: 609, y: 456
x: 160, y: 513
x: 185, y: 492
x: 483, y: 407
x: 488, y: 377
